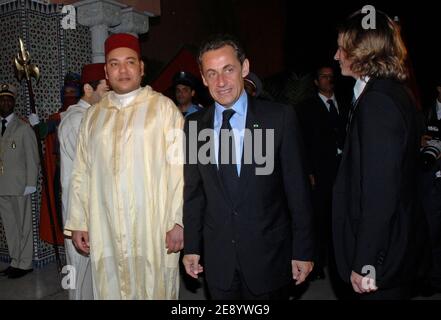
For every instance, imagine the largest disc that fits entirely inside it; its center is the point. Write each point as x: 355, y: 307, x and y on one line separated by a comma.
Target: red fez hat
x: 122, y: 40
x: 93, y: 72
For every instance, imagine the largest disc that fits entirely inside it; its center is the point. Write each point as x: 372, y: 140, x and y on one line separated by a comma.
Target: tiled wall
x: 55, y: 51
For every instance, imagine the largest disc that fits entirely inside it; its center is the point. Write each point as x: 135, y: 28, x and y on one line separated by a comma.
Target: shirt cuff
x: 29, y: 190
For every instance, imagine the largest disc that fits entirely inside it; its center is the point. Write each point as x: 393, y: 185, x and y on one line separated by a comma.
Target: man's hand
x: 174, y: 239
x: 424, y: 139
x: 300, y: 270
x: 362, y: 284
x: 33, y: 119
x: 80, y: 240
x: 192, y: 266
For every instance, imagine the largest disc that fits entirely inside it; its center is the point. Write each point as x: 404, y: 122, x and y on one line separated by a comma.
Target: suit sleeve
x: 381, y: 134
x: 296, y: 187
x: 194, y: 198
x: 32, y: 157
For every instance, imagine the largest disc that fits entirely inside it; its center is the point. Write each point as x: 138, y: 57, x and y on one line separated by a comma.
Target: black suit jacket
x: 375, y: 221
x: 321, y: 139
x: 267, y: 224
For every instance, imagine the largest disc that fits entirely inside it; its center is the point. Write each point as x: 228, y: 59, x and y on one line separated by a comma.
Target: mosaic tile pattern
x: 55, y: 51
x: 10, y: 31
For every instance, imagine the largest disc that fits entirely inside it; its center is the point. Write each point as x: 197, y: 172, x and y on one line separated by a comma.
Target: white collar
x: 9, y: 118
x: 359, y: 86
x: 325, y: 98
x: 83, y: 103
x: 125, y: 99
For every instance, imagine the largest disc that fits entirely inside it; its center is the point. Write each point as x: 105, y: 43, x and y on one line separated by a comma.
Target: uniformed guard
x: 184, y: 84
x: 18, y: 180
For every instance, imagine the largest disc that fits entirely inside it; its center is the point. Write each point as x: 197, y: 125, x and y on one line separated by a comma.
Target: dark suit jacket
x: 320, y: 138
x: 375, y: 221
x: 267, y: 224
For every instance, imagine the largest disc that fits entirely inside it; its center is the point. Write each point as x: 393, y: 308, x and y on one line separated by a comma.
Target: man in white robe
x: 126, y: 196
x: 95, y: 86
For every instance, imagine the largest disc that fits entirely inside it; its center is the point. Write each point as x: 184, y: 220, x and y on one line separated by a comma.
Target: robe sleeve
x: 173, y: 130
x: 67, y: 137
x: 78, y: 199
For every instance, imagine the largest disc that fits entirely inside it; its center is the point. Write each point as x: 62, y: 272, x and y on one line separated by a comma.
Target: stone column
x: 99, y: 15
x: 133, y: 21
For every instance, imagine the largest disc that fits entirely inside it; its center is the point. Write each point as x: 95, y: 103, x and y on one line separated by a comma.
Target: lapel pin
x: 13, y: 146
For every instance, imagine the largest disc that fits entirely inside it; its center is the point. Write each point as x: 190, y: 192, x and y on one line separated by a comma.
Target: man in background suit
x: 253, y: 221
x: 18, y: 180
x: 323, y: 121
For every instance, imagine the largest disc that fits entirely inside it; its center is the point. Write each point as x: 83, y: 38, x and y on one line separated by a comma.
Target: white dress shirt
x: 359, y: 86
x: 325, y: 101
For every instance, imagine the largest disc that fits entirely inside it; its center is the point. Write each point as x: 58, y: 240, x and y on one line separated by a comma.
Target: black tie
x: 4, y: 121
x: 333, y: 112
x: 227, y: 155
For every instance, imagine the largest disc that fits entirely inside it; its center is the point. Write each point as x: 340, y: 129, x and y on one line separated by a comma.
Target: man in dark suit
x: 375, y: 221
x: 323, y: 122
x: 247, y: 215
